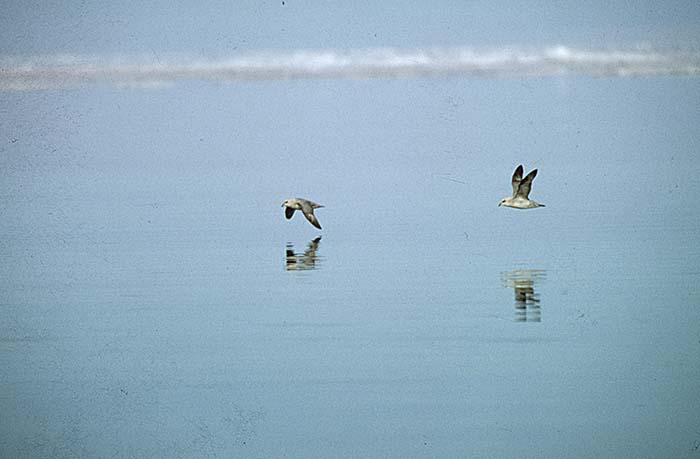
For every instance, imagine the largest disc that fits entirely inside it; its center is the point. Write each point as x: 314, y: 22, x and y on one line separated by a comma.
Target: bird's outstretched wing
x: 288, y: 212
x: 517, y: 178
x: 309, y: 214
x: 526, y: 184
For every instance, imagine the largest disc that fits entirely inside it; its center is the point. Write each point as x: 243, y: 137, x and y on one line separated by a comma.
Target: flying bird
x: 307, y: 207
x: 521, y: 191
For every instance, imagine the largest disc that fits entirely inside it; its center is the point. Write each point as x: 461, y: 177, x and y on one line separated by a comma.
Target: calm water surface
x: 157, y: 303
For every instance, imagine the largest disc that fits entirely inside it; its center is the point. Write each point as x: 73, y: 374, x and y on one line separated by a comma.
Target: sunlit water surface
x: 156, y: 302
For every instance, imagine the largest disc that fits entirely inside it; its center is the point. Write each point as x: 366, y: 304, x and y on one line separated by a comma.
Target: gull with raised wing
x: 521, y: 191
x: 307, y: 207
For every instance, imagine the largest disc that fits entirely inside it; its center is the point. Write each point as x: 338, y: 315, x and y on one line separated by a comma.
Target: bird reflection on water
x: 303, y: 261
x: 527, y: 301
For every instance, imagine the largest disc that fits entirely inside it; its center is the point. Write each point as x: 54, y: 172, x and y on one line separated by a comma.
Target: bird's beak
x: 499, y: 204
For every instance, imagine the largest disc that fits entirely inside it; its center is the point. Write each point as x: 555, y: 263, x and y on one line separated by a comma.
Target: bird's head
x: 503, y: 202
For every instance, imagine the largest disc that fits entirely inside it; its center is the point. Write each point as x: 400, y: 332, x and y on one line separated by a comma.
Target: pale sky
x: 223, y: 27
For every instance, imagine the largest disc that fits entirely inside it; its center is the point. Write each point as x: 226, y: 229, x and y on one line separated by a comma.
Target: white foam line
x: 66, y: 71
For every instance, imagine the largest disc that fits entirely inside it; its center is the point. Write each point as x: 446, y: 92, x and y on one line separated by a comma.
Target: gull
x: 306, y: 206
x: 521, y: 191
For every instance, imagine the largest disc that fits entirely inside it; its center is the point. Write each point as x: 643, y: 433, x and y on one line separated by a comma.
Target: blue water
x: 156, y: 302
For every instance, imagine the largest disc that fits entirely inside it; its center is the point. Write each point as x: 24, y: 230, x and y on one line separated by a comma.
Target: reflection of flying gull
x: 305, y: 261
x: 307, y: 207
x: 527, y: 301
x: 521, y: 191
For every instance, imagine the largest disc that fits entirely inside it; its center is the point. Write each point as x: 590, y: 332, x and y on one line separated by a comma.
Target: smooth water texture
x: 156, y: 302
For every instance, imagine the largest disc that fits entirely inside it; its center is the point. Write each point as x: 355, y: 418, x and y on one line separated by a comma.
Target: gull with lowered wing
x: 305, y: 206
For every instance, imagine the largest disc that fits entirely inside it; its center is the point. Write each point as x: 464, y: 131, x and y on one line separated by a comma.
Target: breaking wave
x: 69, y: 71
